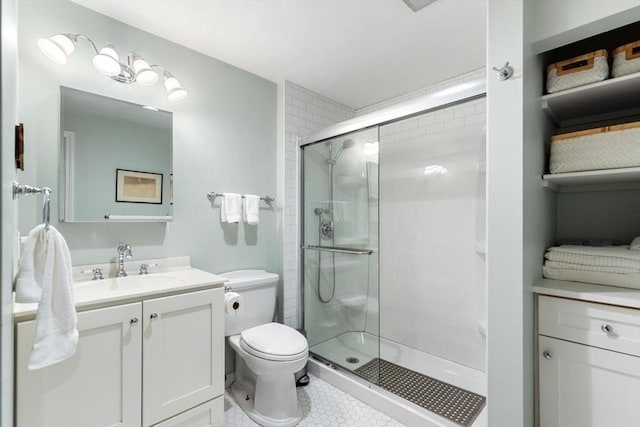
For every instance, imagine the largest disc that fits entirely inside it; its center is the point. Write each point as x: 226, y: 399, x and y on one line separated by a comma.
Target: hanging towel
x: 45, y: 277
x: 231, y: 207
x: 251, y: 209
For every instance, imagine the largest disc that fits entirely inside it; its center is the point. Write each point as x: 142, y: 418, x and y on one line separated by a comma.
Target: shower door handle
x: 352, y: 251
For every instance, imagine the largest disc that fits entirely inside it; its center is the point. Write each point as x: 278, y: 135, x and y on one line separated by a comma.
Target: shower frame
x: 448, y: 97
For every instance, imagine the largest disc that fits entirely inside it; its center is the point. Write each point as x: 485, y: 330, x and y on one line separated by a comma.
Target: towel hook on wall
x: 20, y: 190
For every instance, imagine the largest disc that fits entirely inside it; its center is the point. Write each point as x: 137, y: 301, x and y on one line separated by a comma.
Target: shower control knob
x: 546, y: 354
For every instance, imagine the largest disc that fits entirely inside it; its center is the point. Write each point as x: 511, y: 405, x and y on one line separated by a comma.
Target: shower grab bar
x: 352, y: 251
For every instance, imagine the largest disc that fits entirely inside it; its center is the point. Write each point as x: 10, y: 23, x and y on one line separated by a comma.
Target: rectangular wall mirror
x: 116, y: 160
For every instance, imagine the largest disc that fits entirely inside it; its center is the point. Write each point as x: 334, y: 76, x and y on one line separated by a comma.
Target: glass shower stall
x: 393, y: 241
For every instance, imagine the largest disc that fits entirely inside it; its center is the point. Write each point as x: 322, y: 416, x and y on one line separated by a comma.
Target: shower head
x: 346, y: 144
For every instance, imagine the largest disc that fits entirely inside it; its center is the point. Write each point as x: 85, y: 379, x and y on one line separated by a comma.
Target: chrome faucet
x: 124, y: 251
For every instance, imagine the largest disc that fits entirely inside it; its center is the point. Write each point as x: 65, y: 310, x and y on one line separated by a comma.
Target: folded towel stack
x: 45, y: 277
x: 611, y: 265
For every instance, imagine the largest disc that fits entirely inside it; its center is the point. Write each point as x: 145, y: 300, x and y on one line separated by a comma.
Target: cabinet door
x: 210, y: 414
x: 98, y: 386
x: 582, y: 386
x: 183, y: 353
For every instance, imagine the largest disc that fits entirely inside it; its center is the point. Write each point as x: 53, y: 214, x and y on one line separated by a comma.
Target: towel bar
x: 212, y: 195
x: 20, y: 190
x: 352, y: 251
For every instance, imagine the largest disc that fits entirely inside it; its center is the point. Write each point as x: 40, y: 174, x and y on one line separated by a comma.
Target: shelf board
x: 613, y: 295
x: 624, y: 178
x: 595, y: 101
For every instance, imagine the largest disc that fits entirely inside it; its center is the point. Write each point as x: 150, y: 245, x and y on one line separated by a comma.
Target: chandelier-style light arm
x: 75, y: 38
x: 107, y: 61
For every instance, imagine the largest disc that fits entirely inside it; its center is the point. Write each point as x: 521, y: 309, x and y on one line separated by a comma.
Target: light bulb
x: 107, y: 61
x: 57, y: 48
x: 175, y: 92
x: 144, y: 74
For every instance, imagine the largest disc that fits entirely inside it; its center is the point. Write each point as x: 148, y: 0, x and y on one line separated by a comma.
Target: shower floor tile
x: 322, y: 406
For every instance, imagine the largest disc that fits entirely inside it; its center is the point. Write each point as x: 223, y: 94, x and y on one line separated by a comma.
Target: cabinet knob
x: 546, y: 354
x: 134, y: 320
x: 154, y: 315
x: 606, y: 328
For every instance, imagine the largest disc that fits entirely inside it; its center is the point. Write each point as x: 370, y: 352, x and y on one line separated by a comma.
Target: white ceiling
x: 357, y: 52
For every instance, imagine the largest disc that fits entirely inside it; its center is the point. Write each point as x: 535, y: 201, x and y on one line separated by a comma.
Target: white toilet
x: 267, y: 354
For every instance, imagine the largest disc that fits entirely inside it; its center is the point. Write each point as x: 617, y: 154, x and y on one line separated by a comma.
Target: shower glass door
x: 340, y: 248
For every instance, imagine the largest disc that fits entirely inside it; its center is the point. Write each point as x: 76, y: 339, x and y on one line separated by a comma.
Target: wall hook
x: 505, y: 72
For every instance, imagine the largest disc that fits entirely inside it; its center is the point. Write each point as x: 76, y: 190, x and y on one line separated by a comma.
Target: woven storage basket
x: 626, y: 59
x: 607, y: 147
x: 579, y: 71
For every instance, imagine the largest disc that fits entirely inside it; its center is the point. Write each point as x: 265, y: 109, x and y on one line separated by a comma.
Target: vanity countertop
x: 612, y: 295
x: 122, y: 290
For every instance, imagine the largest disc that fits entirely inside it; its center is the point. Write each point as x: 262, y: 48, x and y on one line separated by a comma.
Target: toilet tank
x: 258, y: 291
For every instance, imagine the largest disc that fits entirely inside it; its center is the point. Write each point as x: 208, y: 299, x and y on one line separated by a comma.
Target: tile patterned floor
x: 322, y: 406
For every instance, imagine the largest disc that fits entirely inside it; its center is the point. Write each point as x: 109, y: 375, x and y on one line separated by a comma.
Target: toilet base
x: 246, y: 402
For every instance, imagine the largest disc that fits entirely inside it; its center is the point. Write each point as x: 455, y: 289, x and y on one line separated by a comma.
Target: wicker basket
x: 626, y: 59
x: 579, y: 71
x: 607, y: 147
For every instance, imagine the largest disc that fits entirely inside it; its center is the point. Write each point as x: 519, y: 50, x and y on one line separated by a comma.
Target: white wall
x: 560, y: 22
x: 8, y: 119
x: 432, y: 284
x: 224, y: 140
x: 305, y: 112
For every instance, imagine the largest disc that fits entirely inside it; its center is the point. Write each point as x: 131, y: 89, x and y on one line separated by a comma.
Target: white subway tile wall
x: 472, y: 75
x: 305, y: 112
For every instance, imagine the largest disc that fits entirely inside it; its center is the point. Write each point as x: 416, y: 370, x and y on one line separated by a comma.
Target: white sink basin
x: 124, y: 283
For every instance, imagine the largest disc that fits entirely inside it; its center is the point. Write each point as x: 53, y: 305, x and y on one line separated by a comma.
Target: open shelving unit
x: 603, y: 100
x: 606, y: 179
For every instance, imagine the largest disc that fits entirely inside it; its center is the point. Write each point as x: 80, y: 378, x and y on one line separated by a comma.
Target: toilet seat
x: 274, y: 341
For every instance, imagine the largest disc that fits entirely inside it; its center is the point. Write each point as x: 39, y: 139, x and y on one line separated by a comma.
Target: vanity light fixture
x: 107, y: 61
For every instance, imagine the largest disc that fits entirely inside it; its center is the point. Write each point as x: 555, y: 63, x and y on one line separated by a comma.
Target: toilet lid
x: 275, y: 339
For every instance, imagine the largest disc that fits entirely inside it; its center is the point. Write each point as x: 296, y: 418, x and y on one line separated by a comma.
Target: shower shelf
x: 353, y: 301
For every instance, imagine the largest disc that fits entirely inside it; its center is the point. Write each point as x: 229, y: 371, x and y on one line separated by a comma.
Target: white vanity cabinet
x: 159, y: 361
x: 588, y: 364
x: 183, y: 353
x: 100, y: 385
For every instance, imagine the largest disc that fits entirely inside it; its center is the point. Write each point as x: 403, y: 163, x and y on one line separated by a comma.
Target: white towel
x: 608, y: 251
x: 609, y: 279
x: 591, y: 260
x: 594, y: 268
x: 635, y: 244
x: 231, y: 207
x: 251, y: 209
x: 45, y: 277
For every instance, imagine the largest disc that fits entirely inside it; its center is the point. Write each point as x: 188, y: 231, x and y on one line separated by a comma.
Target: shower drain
x: 352, y: 360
